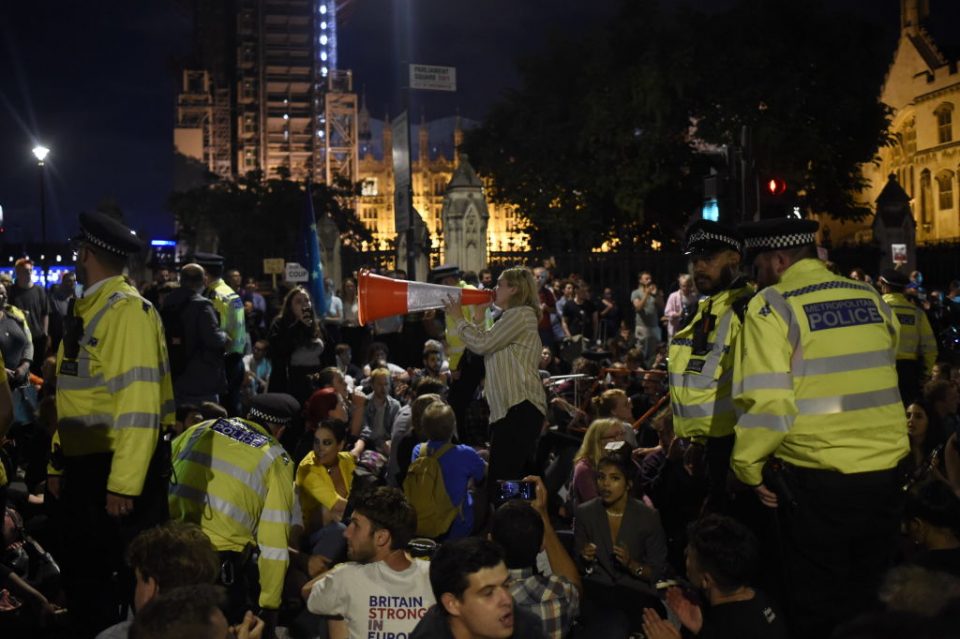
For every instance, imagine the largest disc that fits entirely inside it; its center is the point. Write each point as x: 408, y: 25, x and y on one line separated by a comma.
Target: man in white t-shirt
x: 381, y: 591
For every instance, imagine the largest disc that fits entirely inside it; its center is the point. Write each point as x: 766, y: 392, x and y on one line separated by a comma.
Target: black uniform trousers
x: 838, y: 541
x: 909, y: 380
x: 98, y: 584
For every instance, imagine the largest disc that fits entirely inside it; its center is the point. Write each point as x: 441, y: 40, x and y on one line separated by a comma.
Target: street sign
x: 273, y: 266
x: 295, y: 273
x: 433, y: 78
x: 401, y: 172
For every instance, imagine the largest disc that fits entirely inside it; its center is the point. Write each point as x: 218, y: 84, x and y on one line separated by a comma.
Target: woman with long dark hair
x: 297, y: 346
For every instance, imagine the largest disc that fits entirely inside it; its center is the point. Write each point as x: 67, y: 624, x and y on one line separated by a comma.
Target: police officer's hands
x: 767, y: 497
x: 119, y: 505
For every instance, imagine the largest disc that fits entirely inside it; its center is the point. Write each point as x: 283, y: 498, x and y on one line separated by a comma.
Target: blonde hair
x: 603, y: 404
x: 590, y: 449
x: 526, y: 294
x: 377, y: 373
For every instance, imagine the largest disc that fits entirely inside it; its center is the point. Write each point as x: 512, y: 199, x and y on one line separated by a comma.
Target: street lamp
x: 41, y: 152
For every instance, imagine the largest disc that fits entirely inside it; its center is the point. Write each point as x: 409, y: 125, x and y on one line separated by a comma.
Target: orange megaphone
x: 379, y: 297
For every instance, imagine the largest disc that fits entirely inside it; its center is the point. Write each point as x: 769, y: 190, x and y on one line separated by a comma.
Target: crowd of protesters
x: 510, y: 470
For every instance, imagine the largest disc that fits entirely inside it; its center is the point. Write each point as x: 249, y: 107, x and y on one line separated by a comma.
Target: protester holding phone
x: 511, y: 354
x: 622, y: 552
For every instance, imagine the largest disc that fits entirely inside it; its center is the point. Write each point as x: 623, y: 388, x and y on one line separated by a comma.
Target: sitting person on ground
x: 460, y: 468
x: 415, y: 436
x: 380, y: 589
x: 654, y: 460
x: 927, y: 443
x: 401, y: 427
x: 600, y: 433
x: 523, y: 529
x: 380, y: 412
x: 170, y: 556
x: 616, y: 403
x: 721, y: 557
x: 325, y: 404
x: 192, y: 612
x: 471, y: 585
x: 323, y: 485
x: 931, y: 520
x: 622, y: 551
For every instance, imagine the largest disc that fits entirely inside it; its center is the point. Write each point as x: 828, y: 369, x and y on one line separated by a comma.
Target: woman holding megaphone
x: 511, y: 354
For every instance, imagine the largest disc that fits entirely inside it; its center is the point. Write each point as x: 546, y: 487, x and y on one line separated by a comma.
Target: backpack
x: 426, y: 492
x: 175, y: 333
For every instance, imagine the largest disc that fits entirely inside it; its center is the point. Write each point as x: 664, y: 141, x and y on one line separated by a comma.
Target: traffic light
x: 777, y: 199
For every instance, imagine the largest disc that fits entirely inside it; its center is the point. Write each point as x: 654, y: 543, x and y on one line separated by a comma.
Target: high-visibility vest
x: 234, y: 480
x: 917, y: 341
x: 701, y: 368
x: 815, y: 381
x: 229, y: 308
x: 116, y: 395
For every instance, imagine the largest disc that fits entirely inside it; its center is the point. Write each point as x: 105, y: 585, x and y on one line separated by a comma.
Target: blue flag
x: 312, y: 257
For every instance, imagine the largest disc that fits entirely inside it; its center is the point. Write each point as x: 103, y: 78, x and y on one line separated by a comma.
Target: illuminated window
x: 369, y: 188
x: 944, y: 115
x: 945, y: 187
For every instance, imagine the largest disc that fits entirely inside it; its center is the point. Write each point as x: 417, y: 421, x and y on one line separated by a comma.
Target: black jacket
x: 204, y: 342
x: 434, y: 625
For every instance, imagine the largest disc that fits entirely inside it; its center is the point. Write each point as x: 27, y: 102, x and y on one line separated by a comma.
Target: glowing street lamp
x: 41, y: 152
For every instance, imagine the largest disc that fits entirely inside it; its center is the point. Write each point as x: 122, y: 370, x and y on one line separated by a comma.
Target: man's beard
x: 727, y: 275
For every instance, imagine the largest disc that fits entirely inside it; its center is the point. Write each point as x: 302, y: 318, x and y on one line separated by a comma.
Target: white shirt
x: 373, y: 599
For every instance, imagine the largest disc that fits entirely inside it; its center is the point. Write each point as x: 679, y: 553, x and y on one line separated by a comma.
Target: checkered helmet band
x: 272, y: 419
x: 704, y: 236
x: 96, y: 241
x: 773, y: 242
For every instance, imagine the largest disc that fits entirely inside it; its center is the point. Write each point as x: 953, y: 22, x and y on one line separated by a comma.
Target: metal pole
x: 43, y: 227
x: 405, y: 54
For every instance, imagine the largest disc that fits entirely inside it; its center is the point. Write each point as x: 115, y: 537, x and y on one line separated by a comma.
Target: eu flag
x: 312, y: 256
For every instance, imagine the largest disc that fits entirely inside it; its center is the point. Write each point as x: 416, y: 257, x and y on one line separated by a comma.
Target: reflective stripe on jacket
x: 917, y: 341
x: 815, y: 381
x: 233, y: 479
x: 700, y: 382
x: 117, y: 394
x: 233, y: 321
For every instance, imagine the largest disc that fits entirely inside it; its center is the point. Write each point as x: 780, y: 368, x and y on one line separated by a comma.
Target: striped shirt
x: 511, y: 354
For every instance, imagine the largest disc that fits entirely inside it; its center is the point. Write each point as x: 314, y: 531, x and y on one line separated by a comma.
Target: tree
x: 253, y: 219
x: 601, y: 141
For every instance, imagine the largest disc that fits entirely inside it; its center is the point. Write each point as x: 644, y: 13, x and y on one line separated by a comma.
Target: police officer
x: 815, y: 384
x: 701, y: 358
x: 917, y: 349
x: 233, y: 479
x: 229, y: 307
x: 114, y: 395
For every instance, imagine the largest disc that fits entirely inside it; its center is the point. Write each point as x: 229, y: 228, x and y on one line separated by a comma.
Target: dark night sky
x: 96, y: 82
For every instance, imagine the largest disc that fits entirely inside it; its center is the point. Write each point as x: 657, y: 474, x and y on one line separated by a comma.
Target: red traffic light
x: 776, y: 186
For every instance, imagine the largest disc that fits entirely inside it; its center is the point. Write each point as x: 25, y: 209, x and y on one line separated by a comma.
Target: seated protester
x: 189, y: 612
x: 931, y: 520
x: 470, y: 582
x: 378, y: 356
x: 326, y: 404
x: 380, y: 589
x: 942, y: 398
x: 380, y: 412
x: 323, y: 486
x: 622, y: 551
x: 401, y: 426
x: 653, y: 460
x: 615, y: 403
x: 163, y: 558
x: 721, y: 557
x: 909, y: 588
x: 600, y: 433
x: 927, y: 443
x: 434, y: 364
x: 460, y: 466
x: 415, y: 435
x: 345, y: 364
x: 351, y: 395
x: 523, y: 529
x: 678, y: 493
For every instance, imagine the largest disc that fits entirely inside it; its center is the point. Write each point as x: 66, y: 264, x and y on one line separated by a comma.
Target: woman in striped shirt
x: 511, y: 354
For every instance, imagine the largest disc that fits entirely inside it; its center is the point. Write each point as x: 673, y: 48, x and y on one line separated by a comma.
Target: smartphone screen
x: 508, y: 489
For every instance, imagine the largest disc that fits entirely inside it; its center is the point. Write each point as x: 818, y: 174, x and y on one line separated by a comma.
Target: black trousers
x: 97, y: 581
x: 837, y: 543
x: 513, y: 443
x: 717, y: 452
x: 908, y: 379
x: 462, y: 391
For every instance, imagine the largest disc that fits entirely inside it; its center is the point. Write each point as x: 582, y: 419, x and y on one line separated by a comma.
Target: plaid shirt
x: 555, y: 600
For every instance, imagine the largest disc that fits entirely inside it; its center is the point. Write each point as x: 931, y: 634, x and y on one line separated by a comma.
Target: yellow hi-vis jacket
x: 233, y: 479
x: 815, y: 381
x: 116, y: 395
x: 917, y: 341
x: 701, y: 374
x: 229, y: 308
